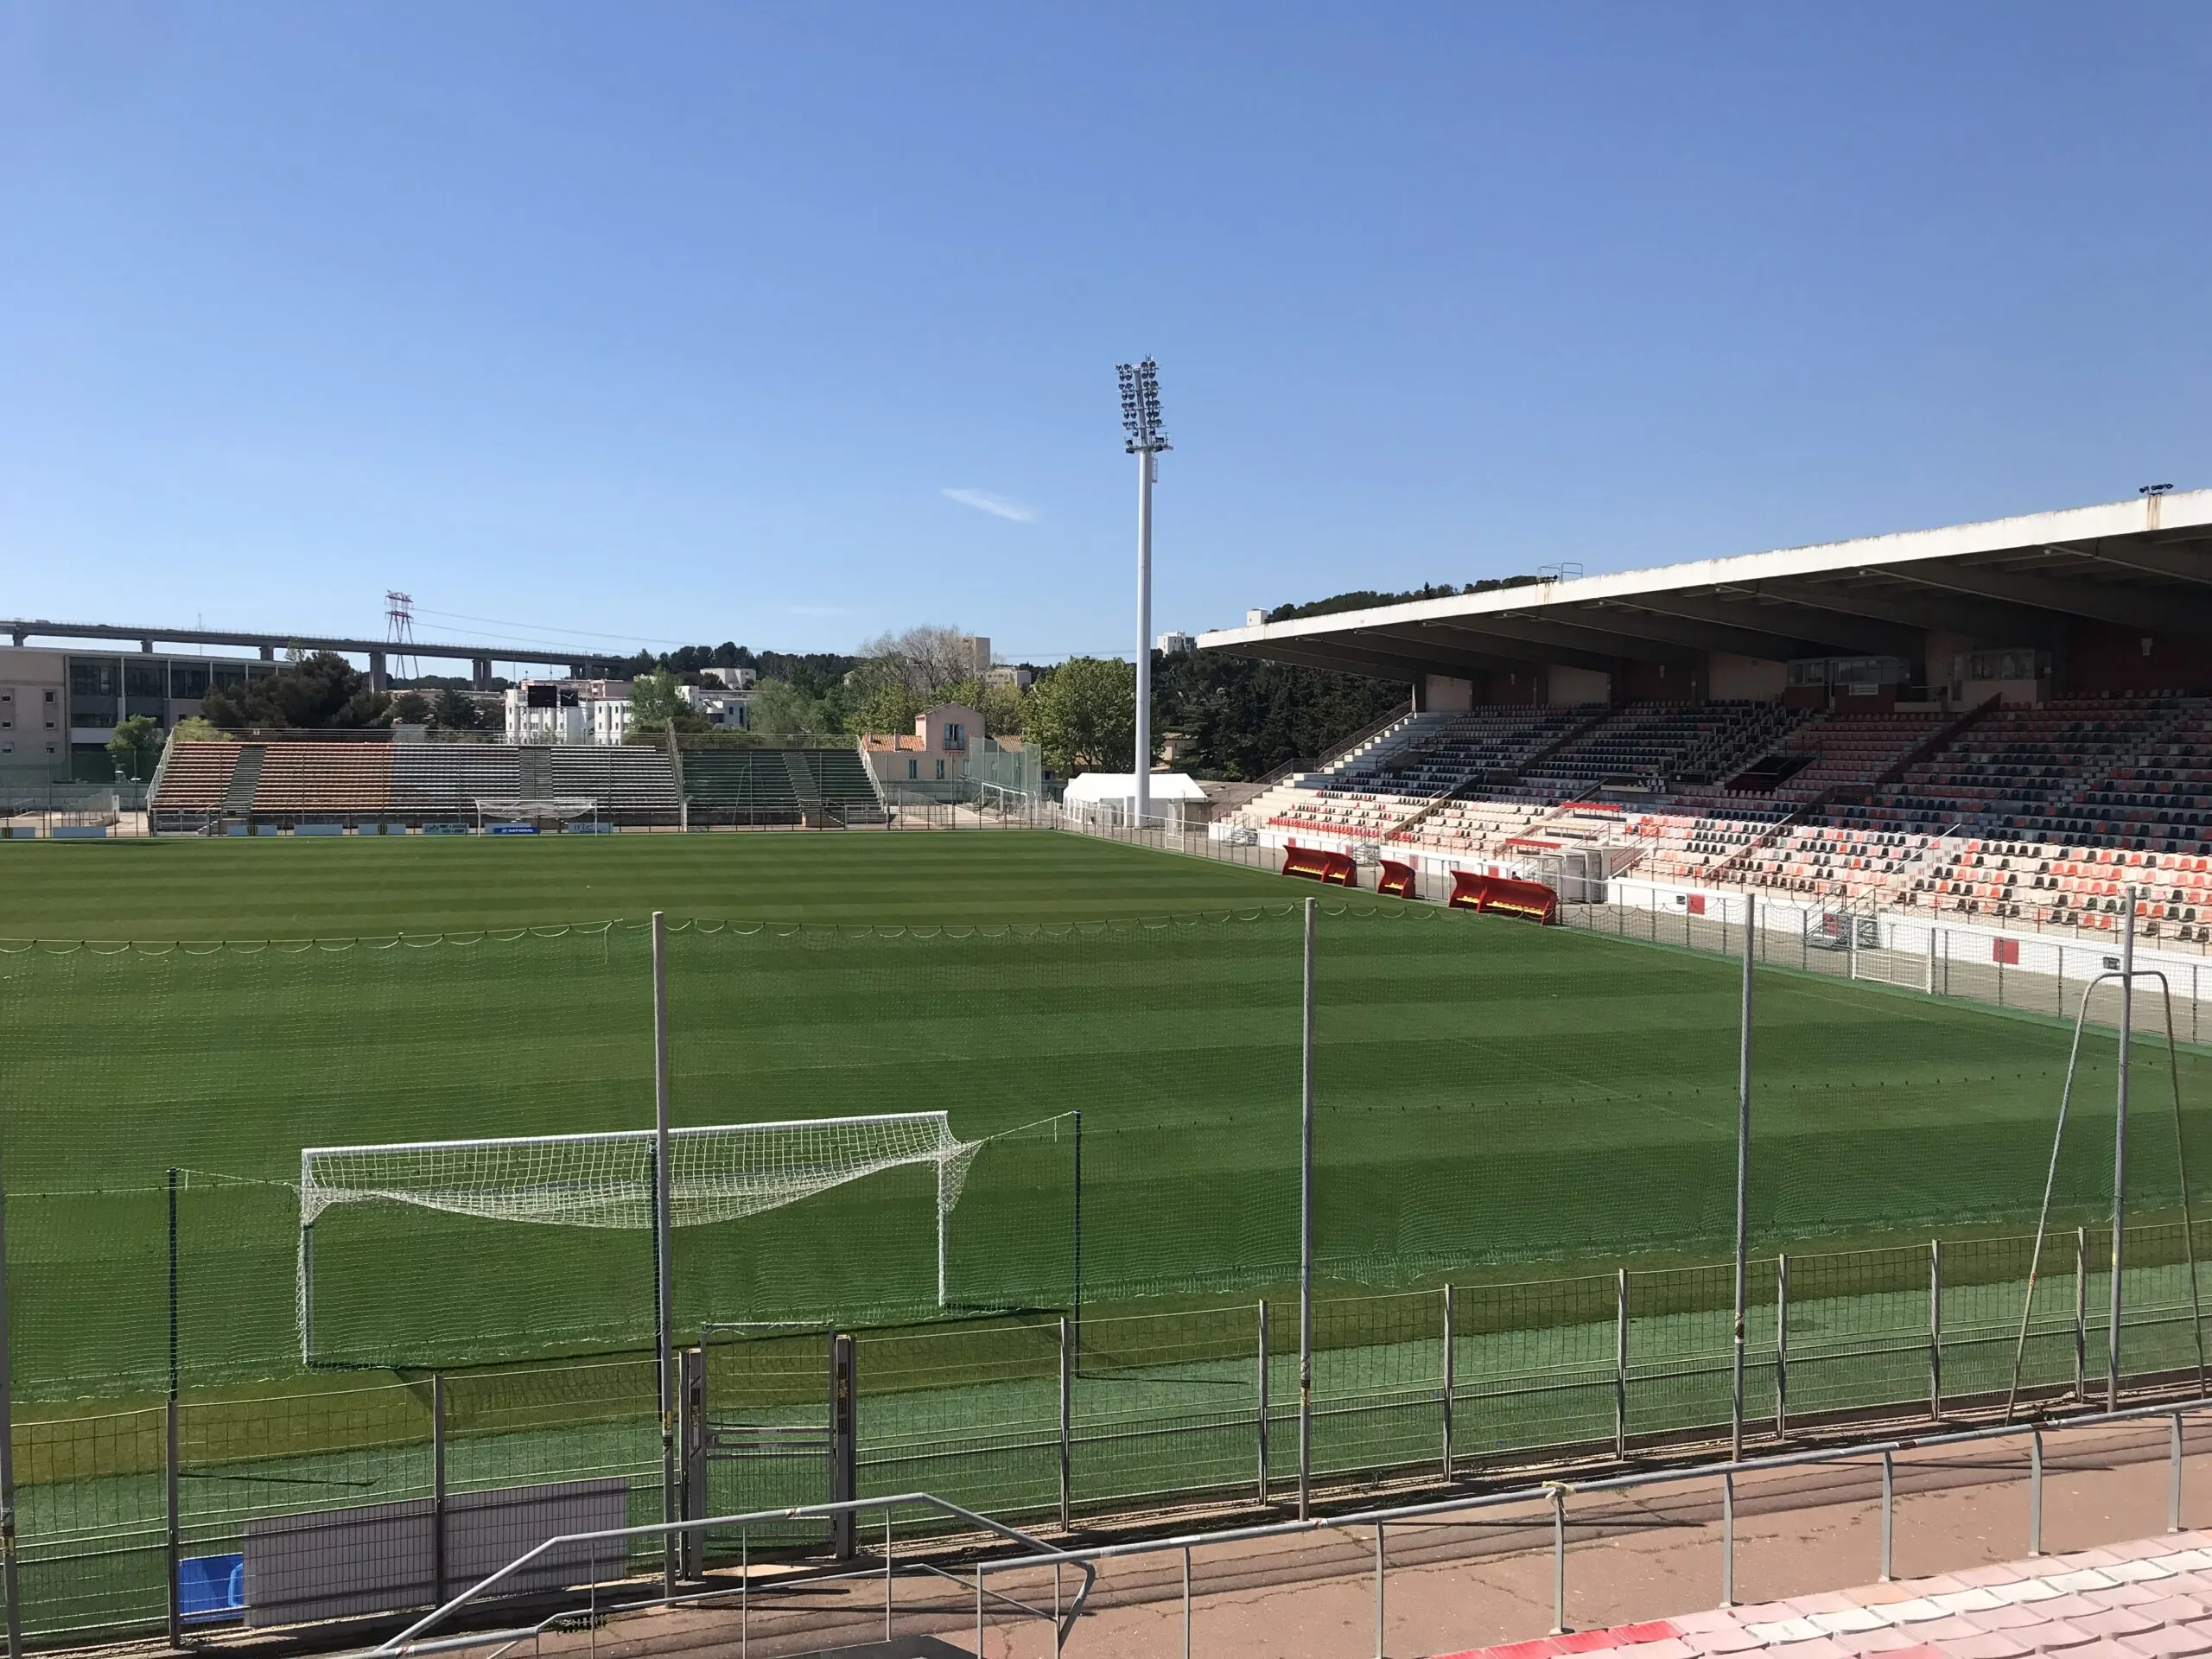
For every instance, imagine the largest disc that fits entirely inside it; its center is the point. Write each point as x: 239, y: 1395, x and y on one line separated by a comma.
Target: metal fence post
x: 1620, y: 1362
x: 1187, y: 1609
x: 1451, y: 1380
x: 2120, y: 1152
x: 1888, y: 1504
x: 2035, y: 1491
x: 1305, y: 1238
x: 1743, y: 1190
x: 663, y: 1268
x: 438, y: 1557
x: 1781, y: 1346
x: 1936, y: 1329
x: 1066, y: 1401
x: 173, y: 1552
x: 2081, y: 1313
x: 1559, y: 1559
x: 2173, y: 1482
x: 1728, y: 1539
x: 1260, y: 1420
x: 1378, y: 1590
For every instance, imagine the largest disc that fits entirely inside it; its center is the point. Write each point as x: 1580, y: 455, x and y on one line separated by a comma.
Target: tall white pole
x: 2119, y: 1151
x: 1142, y: 758
x: 1306, y: 1227
x: 1744, y: 1175
x: 663, y: 1270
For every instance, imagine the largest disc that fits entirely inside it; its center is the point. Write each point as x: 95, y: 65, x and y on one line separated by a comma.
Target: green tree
x: 1004, y: 709
x: 884, y: 704
x: 1244, y: 718
x: 320, y: 689
x: 1083, y: 715
x: 656, y: 706
x: 136, y: 745
x: 195, y: 729
x: 456, y: 711
x: 410, y: 709
x: 783, y: 709
x: 653, y: 701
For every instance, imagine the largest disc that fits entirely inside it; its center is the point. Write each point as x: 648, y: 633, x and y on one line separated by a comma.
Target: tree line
x: 1232, y: 717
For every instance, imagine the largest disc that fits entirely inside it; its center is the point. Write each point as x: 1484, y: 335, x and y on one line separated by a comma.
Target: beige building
x: 951, y: 756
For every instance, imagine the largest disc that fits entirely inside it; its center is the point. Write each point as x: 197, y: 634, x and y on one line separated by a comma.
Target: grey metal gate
x: 768, y: 1424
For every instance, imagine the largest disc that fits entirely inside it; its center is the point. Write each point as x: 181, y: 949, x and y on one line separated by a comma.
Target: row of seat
x: 2040, y: 815
x: 310, y: 780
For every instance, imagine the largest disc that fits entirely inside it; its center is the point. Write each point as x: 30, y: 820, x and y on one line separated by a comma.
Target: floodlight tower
x: 1140, y: 421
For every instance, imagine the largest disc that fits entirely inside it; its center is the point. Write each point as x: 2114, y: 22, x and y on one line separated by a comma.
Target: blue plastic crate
x: 210, y: 1586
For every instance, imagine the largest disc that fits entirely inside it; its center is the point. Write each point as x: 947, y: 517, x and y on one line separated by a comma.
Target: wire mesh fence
x: 400, y: 1487
x: 1523, y: 1155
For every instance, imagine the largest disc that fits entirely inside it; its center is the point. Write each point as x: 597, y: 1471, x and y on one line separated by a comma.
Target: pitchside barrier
x: 1125, y: 1243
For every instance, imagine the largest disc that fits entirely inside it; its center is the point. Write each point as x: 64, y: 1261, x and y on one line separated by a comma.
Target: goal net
x: 527, y: 808
x: 722, y: 1174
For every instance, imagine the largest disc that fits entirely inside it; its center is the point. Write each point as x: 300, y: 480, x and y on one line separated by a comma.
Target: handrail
x: 406, y: 1641
x: 1541, y: 1491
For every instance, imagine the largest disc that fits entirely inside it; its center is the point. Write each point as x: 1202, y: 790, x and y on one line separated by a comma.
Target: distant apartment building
x: 719, y: 707
x: 568, y: 711
x: 58, y: 708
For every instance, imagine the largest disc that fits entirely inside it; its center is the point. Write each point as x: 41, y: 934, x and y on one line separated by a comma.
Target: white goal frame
x: 518, y: 808
x: 573, y: 1180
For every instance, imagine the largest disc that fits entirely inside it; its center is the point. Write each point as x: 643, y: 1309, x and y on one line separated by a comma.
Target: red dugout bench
x: 1397, y: 880
x: 1317, y: 865
x: 1504, y: 895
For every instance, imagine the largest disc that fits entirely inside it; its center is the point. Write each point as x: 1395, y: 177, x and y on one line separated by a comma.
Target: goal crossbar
x: 605, y: 1180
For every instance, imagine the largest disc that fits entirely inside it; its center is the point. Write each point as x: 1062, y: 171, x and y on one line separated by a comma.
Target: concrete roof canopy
x: 2144, y: 565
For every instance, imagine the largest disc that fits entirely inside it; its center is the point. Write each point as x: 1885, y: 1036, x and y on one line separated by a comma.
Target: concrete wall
x: 1442, y: 694
x: 1749, y: 678
x: 1567, y: 687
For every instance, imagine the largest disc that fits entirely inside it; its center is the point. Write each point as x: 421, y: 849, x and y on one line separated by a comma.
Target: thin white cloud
x: 999, y: 506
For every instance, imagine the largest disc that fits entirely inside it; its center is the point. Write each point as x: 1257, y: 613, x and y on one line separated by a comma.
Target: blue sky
x: 792, y: 324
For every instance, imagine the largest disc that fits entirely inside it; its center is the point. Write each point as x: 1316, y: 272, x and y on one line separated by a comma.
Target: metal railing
x: 1556, y: 1494
x: 410, y: 1641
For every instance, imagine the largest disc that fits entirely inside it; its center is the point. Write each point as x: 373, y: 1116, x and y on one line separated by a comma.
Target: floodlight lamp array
x: 1141, y: 408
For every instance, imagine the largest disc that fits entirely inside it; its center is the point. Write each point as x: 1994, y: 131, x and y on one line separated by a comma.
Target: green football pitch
x: 1493, y: 1099
x: 1514, y: 1112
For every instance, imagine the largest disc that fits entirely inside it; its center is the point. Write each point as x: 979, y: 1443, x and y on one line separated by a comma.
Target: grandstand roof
x: 2144, y: 565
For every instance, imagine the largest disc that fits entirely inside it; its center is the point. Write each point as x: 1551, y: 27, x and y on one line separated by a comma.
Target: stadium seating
x: 2038, y: 816
x: 322, y: 781
x: 740, y: 787
x: 195, y: 778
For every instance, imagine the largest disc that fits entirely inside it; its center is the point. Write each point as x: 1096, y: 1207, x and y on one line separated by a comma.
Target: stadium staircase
x: 246, y: 779
x: 534, y: 771
x: 809, y: 793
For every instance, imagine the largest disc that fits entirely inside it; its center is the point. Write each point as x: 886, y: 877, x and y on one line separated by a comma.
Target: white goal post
x: 522, y: 808
x: 723, y: 1172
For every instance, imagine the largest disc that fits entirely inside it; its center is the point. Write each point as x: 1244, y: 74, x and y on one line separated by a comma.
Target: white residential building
x: 721, y: 708
x: 569, y: 711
